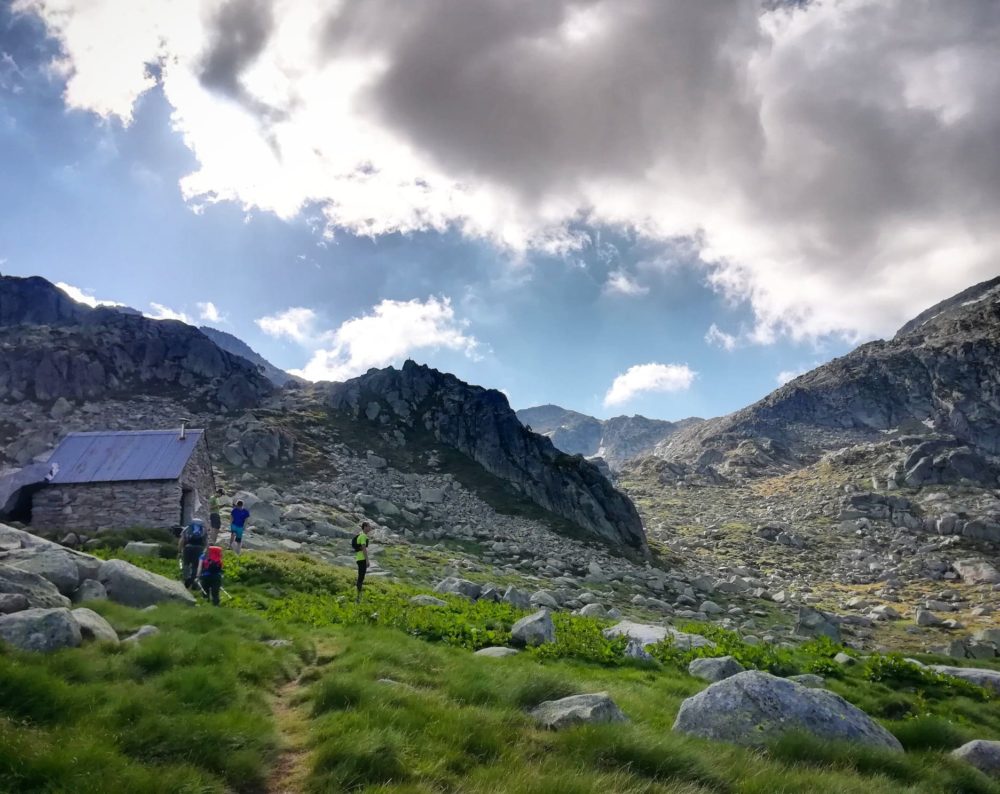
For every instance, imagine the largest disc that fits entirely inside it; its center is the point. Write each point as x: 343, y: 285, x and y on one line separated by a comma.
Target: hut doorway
x: 187, y: 506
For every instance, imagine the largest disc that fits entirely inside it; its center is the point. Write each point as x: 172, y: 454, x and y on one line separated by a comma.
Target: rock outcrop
x: 419, y: 401
x: 40, y: 629
x: 136, y: 587
x: 577, y: 710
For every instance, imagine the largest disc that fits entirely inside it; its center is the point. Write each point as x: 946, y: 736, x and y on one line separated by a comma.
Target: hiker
x: 210, y: 573
x: 215, y: 516
x: 237, y: 522
x: 190, y: 547
x: 360, y: 545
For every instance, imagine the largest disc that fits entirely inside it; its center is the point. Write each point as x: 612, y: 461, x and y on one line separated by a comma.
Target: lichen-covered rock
x: 814, y: 623
x: 715, y: 669
x: 427, y: 601
x: 54, y: 564
x: 650, y: 634
x: 462, y: 587
x: 90, y: 590
x: 753, y: 708
x: 516, y: 598
x: 40, y: 629
x: 982, y: 754
x: 534, y: 629
x: 135, y: 587
x: 39, y: 591
x: 93, y: 626
x: 577, y: 710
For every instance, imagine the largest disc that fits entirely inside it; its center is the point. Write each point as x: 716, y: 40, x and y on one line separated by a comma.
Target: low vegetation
x: 389, y: 698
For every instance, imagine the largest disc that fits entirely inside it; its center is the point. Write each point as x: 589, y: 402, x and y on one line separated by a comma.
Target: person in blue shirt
x: 237, y: 523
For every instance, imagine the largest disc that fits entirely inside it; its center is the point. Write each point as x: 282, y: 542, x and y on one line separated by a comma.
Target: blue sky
x: 552, y: 311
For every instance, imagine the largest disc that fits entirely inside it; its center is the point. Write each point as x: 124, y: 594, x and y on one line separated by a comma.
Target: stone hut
x: 146, y: 478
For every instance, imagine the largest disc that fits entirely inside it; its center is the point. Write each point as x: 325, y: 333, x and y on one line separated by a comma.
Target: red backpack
x: 213, y: 560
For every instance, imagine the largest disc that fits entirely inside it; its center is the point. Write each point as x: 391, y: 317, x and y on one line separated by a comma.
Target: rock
x: 813, y: 623
x: 12, y: 602
x: 135, y: 587
x: 577, y: 710
x: 976, y: 572
x: 982, y: 754
x: 715, y: 669
x: 61, y: 408
x: 462, y: 587
x: 844, y: 660
x: 543, y: 598
x: 650, y: 634
x: 988, y: 635
x: 93, y: 626
x: 710, y: 608
x: 635, y: 650
x: 923, y: 617
x: 142, y: 549
x: 142, y: 633
x: 52, y: 563
x: 289, y: 545
x: 278, y: 643
x: 39, y: 591
x: 885, y: 612
x: 432, y: 496
x: 376, y: 461
x: 810, y: 680
x: 517, y: 598
x: 535, y: 629
x: 754, y: 708
x: 989, y: 679
x: 594, y: 611
x: 496, y: 652
x: 427, y: 601
x: 90, y: 590
x: 40, y: 629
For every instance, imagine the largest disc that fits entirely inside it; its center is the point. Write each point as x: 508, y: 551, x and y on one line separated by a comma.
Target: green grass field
x: 388, y: 697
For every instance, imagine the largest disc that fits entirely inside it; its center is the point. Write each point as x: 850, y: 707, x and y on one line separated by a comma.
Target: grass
x: 392, y: 700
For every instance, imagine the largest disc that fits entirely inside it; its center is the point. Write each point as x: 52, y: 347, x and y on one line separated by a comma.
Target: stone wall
x: 89, y: 506
x: 198, y: 476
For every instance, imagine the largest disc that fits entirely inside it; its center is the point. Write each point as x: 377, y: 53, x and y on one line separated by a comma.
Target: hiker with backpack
x: 215, y: 515
x: 360, y: 545
x: 237, y: 523
x: 210, y: 573
x: 190, y: 547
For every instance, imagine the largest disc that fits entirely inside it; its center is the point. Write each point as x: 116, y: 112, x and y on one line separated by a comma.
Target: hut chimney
x: 183, y: 434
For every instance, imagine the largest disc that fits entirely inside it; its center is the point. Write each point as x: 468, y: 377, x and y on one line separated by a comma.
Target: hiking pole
x: 224, y: 591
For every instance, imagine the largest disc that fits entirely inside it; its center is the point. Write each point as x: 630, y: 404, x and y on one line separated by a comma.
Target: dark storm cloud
x: 239, y: 34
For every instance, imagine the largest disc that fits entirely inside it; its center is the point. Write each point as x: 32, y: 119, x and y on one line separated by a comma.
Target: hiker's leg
x: 214, y: 583
x: 362, y: 570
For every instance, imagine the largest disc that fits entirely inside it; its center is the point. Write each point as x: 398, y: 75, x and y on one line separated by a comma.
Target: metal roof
x: 125, y: 455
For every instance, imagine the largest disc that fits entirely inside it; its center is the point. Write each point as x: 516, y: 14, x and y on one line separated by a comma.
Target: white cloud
x: 82, y: 296
x: 649, y: 378
x: 621, y: 283
x: 719, y: 338
x: 787, y: 375
x: 391, y: 332
x: 208, y: 312
x: 297, y: 323
x: 833, y: 161
x: 161, y: 312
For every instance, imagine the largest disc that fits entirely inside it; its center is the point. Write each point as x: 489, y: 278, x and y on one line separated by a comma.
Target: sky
x: 652, y: 206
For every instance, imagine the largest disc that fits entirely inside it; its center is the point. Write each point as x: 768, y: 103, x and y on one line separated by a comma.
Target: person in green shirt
x: 360, y: 545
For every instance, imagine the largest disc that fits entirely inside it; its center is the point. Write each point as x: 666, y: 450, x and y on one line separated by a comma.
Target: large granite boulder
x: 93, y: 626
x: 577, y: 710
x: 754, y: 708
x: 39, y: 591
x: 40, y: 629
x: 715, y: 669
x: 130, y: 585
x: 56, y: 565
x: 982, y: 754
x: 649, y: 634
x: 980, y: 676
x: 456, y: 586
x: 814, y: 623
x: 976, y: 571
x: 534, y: 629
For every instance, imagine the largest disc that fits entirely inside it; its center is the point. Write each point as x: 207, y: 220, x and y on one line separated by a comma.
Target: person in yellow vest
x: 360, y: 545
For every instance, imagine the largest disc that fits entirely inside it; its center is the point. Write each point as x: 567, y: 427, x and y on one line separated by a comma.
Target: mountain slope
x: 617, y: 440
x: 939, y: 374
x: 236, y: 346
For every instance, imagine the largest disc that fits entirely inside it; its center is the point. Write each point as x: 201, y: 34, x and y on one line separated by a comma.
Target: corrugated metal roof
x: 124, y: 455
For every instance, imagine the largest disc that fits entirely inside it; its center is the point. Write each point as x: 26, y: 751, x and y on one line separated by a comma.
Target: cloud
x: 788, y: 374
x: 84, y: 297
x: 619, y: 282
x: 297, y: 323
x: 391, y: 332
x: 161, y: 312
x: 719, y: 338
x: 833, y: 162
x: 208, y: 312
x: 649, y: 378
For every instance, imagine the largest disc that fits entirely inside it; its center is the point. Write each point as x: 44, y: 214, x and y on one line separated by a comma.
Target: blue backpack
x: 196, y: 534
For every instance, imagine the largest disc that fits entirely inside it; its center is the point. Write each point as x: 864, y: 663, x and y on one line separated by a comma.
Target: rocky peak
x: 35, y: 301
x: 480, y: 424
x: 236, y: 346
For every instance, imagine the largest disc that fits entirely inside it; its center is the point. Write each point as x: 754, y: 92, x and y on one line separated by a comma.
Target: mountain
x: 937, y: 377
x: 236, y: 346
x: 617, y: 440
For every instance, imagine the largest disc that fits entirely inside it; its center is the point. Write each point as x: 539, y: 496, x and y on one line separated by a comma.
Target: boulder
x: 923, y: 617
x: 432, y: 496
x: 650, y: 634
x: 93, y: 626
x: 577, y: 710
x: 980, y: 676
x: 594, y: 611
x: 976, y: 572
x: 40, y: 629
x: 543, y: 598
x: 982, y: 754
x: 715, y: 669
x: 142, y: 633
x: 517, y: 598
x: 130, y: 585
x: 814, y: 623
x: 55, y: 564
x: 90, y: 590
x: 534, y: 629
x: 497, y: 652
x: 427, y: 601
x: 754, y: 708
x: 462, y: 587
x: 12, y: 602
x: 142, y: 549
x: 635, y: 650
x: 39, y: 591
x: 810, y: 680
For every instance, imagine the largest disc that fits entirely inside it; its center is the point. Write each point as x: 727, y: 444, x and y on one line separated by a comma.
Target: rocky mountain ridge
x: 617, y: 440
x: 236, y: 346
